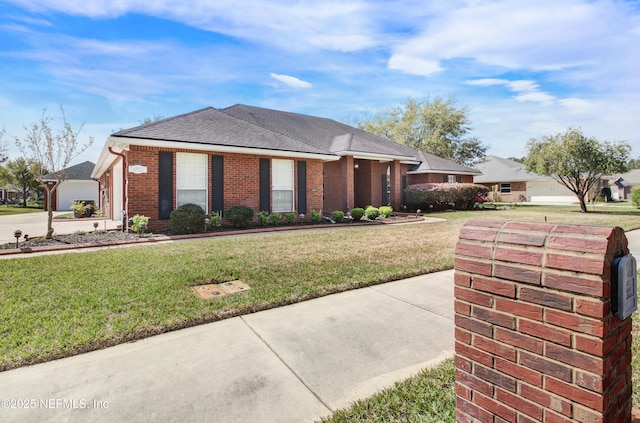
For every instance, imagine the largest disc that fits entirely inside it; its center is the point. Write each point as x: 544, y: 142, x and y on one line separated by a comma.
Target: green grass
x: 56, y: 306
x: 428, y: 397
x: 7, y: 209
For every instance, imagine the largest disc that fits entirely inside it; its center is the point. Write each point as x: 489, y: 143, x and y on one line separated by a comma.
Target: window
x: 191, y: 179
x: 282, y: 180
x: 505, y: 188
x: 452, y: 179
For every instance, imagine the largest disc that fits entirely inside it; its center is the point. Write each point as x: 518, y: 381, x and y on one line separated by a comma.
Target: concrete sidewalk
x: 290, y: 364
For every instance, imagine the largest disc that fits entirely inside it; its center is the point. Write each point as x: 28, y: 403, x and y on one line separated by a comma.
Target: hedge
x: 436, y: 197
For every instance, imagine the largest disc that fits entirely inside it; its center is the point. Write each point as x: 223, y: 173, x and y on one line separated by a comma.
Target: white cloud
x: 339, y: 25
x: 576, y: 105
x: 414, y: 65
x: 525, y: 89
x: 538, y: 97
x: 511, y: 34
x: 291, y: 81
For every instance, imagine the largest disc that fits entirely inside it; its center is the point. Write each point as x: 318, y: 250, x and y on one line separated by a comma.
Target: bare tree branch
x: 51, y: 151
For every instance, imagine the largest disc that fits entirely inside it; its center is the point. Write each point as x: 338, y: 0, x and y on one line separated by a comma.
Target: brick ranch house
x: 264, y: 159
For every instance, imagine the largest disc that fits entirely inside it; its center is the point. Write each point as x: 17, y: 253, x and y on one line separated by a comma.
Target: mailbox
x: 624, y: 286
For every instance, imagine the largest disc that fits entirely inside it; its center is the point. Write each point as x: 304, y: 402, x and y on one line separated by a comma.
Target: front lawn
x: 55, y: 306
x: 7, y: 209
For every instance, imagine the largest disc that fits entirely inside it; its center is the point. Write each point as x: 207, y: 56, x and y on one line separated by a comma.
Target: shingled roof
x: 497, y: 169
x: 430, y: 163
x: 213, y: 127
x: 80, y: 172
x: 327, y: 134
x: 268, y: 131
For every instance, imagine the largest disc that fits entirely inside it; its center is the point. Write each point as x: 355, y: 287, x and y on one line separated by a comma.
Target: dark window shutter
x: 217, y: 183
x: 404, y: 186
x: 302, y: 187
x: 165, y: 184
x: 445, y: 178
x: 459, y: 179
x: 265, y: 185
x: 384, y: 200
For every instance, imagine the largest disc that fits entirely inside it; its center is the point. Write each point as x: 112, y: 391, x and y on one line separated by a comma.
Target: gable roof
x: 497, y: 169
x: 256, y: 130
x: 632, y: 177
x: 210, y: 126
x: 80, y: 172
x: 430, y: 163
x: 329, y: 135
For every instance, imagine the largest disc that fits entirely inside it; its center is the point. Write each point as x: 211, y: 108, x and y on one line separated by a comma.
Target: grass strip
x: 427, y: 397
x: 9, y: 209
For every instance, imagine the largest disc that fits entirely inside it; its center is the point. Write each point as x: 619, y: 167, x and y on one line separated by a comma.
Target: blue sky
x: 522, y: 68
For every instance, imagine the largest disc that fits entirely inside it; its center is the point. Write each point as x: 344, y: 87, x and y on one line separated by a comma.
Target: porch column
x: 349, y: 193
x: 396, y: 185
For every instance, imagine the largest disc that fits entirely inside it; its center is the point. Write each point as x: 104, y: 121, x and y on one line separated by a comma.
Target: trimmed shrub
x: 215, y: 221
x: 240, y: 216
x: 187, y: 219
x: 290, y: 218
x: 438, y: 197
x: 385, y: 211
x: 315, y: 216
x: 635, y: 197
x: 357, y: 213
x: 372, y: 213
x: 137, y: 226
x: 263, y: 218
x: 337, y: 216
x: 274, y: 218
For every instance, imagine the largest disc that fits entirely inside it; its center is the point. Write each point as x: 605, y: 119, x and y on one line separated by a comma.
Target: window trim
x: 505, y: 188
x: 202, y: 186
x: 276, y: 169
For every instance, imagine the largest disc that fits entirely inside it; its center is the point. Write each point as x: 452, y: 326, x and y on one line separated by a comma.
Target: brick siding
x: 535, y: 337
x: 241, y: 182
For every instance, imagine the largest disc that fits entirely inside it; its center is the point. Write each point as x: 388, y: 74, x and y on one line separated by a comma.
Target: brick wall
x: 241, y: 182
x: 535, y: 336
x: 518, y: 192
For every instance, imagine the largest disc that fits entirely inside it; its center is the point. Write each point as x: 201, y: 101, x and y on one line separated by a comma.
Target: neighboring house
x: 623, y: 184
x: 509, y: 180
x: 8, y: 195
x: 261, y: 158
x: 76, y: 186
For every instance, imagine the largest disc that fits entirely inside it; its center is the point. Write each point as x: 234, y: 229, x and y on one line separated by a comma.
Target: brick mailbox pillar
x: 536, y: 339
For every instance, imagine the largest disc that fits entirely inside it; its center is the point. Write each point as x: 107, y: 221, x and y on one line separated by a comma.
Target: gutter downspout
x: 125, y: 197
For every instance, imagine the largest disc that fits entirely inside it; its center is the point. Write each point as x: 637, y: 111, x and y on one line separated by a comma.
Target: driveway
x: 35, y: 224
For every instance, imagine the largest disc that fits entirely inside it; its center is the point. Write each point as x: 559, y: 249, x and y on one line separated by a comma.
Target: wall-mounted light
x: 356, y: 166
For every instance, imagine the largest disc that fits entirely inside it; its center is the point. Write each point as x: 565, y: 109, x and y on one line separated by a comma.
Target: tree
x: 634, y: 163
x: 3, y: 149
x: 576, y: 161
x: 22, y: 176
x: 437, y: 127
x: 51, y: 152
x: 154, y: 118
